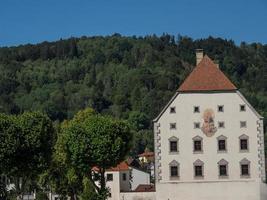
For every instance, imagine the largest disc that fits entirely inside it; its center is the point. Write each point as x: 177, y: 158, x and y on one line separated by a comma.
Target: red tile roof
x: 120, y: 167
x: 145, y: 188
x: 206, y: 77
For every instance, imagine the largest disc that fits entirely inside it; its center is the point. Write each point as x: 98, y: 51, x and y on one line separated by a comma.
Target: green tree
x: 96, y: 141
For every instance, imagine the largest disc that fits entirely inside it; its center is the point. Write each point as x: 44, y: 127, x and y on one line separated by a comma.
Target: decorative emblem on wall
x: 208, y: 127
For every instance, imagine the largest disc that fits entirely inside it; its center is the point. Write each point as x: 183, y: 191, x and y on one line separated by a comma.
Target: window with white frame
x: 196, y: 109
x: 243, y: 143
x: 198, y: 169
x: 174, y: 169
x: 220, y: 108
x: 243, y: 124
x: 244, y: 168
x: 222, y: 143
x: 172, y: 125
x: 223, y: 168
x: 173, y: 143
x: 196, y: 125
x: 242, y: 108
x: 197, y: 144
x: 220, y: 124
x: 172, y: 110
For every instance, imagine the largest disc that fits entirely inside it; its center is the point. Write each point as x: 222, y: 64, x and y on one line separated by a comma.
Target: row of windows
x: 221, y: 143
x: 220, y: 108
x: 243, y: 124
x: 198, y: 166
x: 110, y: 177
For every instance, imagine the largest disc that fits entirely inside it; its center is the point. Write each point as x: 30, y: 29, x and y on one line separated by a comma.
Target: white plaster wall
x: 138, y: 196
x: 185, y: 118
x: 125, y: 184
x: 209, y: 191
x: 139, y: 177
x: 114, y: 186
x: 211, y: 187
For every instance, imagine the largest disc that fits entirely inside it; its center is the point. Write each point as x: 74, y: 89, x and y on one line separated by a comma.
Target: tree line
x: 68, y: 159
x: 126, y: 77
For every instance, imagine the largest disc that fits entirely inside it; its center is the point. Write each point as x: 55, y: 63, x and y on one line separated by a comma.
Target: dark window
x: 174, y: 171
x: 196, y: 109
x: 221, y: 145
x: 172, y: 125
x: 109, y: 177
x: 197, y: 145
x: 223, y: 170
x: 243, y: 124
x: 124, y: 176
x: 109, y: 194
x: 197, y: 125
x: 172, y: 110
x: 173, y: 146
x: 243, y: 144
x: 244, y: 170
x: 242, y: 108
x: 220, y: 108
x: 221, y: 125
x: 198, y: 171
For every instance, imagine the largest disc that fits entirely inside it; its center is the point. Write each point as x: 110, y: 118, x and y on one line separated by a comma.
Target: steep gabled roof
x: 206, y: 77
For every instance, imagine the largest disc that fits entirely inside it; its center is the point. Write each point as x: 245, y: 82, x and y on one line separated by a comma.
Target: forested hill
x: 128, y: 77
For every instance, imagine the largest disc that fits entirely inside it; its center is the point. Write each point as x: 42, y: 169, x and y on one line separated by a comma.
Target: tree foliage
x: 119, y: 75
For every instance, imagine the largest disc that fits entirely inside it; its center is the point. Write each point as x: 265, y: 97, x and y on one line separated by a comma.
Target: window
x: 174, y: 169
x: 223, y: 168
x: 109, y: 177
x: 172, y: 110
x: 244, y: 168
x: 196, y: 109
x: 243, y: 124
x: 220, y: 108
x: 196, y: 125
x: 172, y: 125
x: 243, y: 143
x: 198, y: 168
x: 197, y: 144
x: 242, y: 108
x: 221, y: 124
x: 221, y: 143
x: 124, y: 176
x: 109, y: 194
x: 173, y: 144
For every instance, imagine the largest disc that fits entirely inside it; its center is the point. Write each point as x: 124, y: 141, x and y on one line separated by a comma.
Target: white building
x: 124, y: 179
x: 209, y: 141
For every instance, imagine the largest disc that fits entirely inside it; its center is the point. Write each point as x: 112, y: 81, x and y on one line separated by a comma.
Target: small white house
x: 209, y: 141
x: 124, y: 178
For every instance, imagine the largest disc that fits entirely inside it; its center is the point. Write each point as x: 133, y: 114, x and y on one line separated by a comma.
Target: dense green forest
x: 127, y: 77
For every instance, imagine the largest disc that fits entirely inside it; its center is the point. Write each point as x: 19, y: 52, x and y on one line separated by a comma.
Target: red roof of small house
x: 146, y: 154
x: 145, y: 188
x: 120, y: 167
x: 206, y: 77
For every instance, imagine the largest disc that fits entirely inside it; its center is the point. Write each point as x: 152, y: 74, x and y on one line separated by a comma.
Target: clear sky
x: 33, y: 21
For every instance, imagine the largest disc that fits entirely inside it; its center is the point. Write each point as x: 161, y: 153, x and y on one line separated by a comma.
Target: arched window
x: 223, y: 168
x: 173, y: 144
x: 222, y: 143
x: 197, y: 144
x: 243, y: 143
x: 198, y: 169
x: 244, y: 168
x: 174, y: 169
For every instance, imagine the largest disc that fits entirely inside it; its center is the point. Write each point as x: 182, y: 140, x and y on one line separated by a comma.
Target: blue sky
x: 33, y: 21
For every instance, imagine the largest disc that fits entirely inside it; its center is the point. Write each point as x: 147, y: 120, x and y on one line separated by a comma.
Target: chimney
x: 199, y: 55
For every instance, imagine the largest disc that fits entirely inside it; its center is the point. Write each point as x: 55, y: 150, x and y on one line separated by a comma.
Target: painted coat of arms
x: 208, y: 127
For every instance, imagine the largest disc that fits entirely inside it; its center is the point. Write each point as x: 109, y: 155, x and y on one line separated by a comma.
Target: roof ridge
x: 206, y: 76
